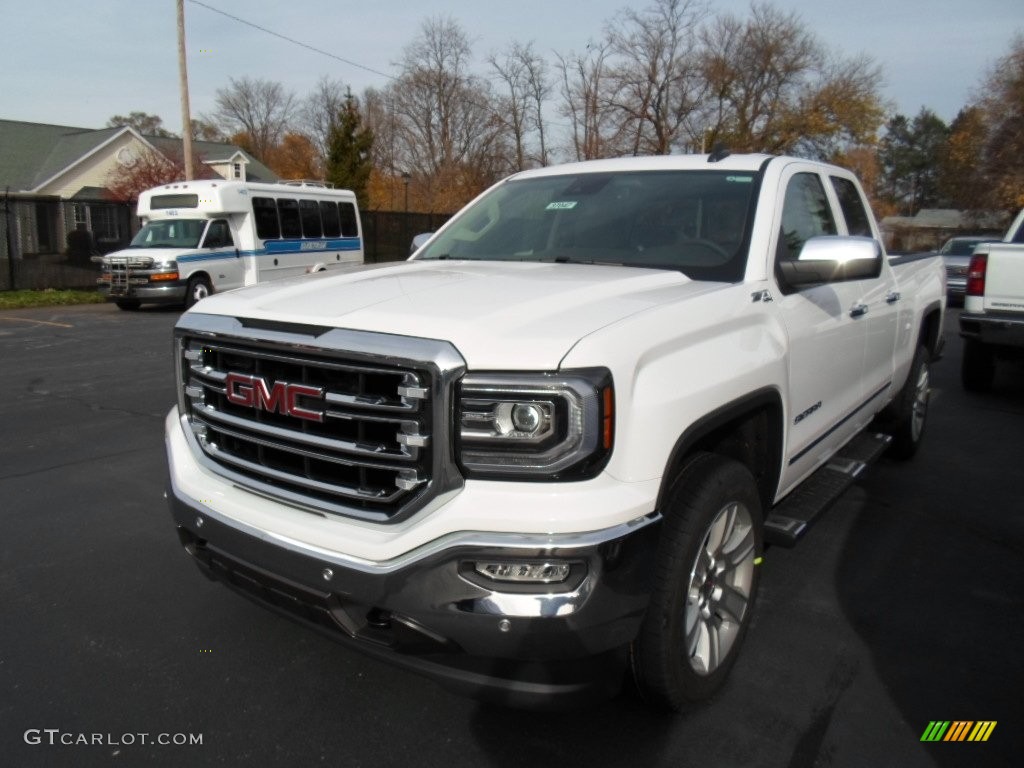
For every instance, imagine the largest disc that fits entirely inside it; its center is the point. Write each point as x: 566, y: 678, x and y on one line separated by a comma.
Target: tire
x: 977, y: 366
x: 128, y: 305
x: 198, y: 289
x: 705, y: 584
x: 909, y: 413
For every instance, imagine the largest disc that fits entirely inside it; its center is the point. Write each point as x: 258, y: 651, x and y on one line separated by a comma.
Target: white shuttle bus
x: 201, y: 237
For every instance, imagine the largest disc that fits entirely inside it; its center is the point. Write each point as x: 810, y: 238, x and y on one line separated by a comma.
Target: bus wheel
x: 198, y: 288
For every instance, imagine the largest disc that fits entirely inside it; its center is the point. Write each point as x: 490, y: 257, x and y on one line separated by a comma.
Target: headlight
x: 538, y: 426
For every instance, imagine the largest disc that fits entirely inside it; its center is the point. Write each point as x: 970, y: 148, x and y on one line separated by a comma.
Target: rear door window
x: 850, y: 202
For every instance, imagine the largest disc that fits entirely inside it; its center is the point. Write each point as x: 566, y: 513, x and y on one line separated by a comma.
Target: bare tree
x: 538, y: 89
x: 379, y: 118
x: 446, y: 135
x: 321, y: 110
x: 585, y: 98
x: 655, y: 80
x: 521, y: 110
x: 261, y: 109
x: 511, y: 111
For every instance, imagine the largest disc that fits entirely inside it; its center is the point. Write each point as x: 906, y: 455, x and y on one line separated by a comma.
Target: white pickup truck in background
x: 549, y: 449
x: 992, y: 323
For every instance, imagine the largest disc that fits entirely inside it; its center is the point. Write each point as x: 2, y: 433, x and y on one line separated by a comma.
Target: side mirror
x: 832, y: 259
x: 419, y: 241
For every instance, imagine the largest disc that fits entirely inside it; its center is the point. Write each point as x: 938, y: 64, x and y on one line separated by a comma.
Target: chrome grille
x: 955, y: 271
x: 118, y: 278
x: 339, y: 430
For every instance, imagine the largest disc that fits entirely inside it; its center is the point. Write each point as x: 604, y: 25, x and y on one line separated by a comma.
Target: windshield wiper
x: 569, y: 260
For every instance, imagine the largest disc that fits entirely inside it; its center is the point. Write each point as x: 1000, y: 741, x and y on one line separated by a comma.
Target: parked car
x: 992, y: 323
x: 956, y: 256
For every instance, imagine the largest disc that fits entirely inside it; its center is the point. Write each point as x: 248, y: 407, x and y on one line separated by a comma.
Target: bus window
x: 288, y: 210
x: 349, y: 227
x: 310, y: 212
x: 218, y: 235
x: 265, y: 212
x: 329, y: 214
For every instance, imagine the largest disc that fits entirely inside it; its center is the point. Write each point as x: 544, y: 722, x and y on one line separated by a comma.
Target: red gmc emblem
x: 254, y: 392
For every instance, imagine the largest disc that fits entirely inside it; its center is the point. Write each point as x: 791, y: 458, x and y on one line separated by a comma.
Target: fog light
x: 537, y: 573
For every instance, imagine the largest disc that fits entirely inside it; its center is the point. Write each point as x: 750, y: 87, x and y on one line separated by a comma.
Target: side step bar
x: 789, y: 520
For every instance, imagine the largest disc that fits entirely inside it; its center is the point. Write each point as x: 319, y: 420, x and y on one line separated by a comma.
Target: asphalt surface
x: 904, y: 605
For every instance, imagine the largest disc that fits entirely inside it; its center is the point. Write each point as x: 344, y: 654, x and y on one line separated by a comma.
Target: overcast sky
x: 78, y: 63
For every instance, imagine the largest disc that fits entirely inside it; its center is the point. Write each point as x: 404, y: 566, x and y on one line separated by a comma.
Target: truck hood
x: 499, y: 315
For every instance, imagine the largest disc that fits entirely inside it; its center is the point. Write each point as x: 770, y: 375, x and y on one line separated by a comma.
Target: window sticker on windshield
x: 740, y: 179
x: 563, y: 205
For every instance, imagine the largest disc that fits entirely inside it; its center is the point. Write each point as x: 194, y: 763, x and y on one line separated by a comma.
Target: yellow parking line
x: 39, y: 322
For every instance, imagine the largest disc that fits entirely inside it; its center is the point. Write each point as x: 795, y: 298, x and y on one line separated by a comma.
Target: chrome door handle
x: 893, y: 297
x: 858, y: 310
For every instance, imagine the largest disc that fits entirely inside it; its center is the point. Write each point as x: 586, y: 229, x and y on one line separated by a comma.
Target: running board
x: 789, y: 520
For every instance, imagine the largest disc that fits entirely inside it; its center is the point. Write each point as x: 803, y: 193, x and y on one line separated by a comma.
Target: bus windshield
x: 170, y: 233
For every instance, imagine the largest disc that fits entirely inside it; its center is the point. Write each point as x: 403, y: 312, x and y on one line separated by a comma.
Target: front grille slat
x: 283, y: 445
x: 379, y: 494
x: 352, y: 447
x: 339, y: 435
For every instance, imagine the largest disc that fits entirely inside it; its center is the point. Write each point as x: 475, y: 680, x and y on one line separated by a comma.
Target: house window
x: 236, y: 170
x: 46, y: 227
x: 104, y: 223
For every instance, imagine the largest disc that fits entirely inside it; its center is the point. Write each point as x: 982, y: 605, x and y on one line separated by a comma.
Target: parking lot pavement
x: 903, y: 606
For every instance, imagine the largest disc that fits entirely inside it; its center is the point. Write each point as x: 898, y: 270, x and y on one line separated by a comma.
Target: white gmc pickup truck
x: 548, y: 449
x: 992, y: 323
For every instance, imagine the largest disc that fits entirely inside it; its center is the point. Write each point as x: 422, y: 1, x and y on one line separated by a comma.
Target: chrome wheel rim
x: 718, y: 597
x: 200, y: 291
x: 919, y: 409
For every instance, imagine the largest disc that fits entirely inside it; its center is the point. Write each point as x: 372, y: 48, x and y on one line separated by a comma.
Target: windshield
x: 693, y: 221
x: 170, y: 233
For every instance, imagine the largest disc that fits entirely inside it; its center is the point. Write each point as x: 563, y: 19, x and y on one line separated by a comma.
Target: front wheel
x: 706, y: 582
x: 198, y: 289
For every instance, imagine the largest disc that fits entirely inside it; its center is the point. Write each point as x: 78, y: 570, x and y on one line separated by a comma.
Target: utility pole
x: 186, y: 115
x: 9, y: 237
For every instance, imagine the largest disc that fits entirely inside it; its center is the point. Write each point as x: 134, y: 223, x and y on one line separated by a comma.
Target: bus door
x: 219, y: 256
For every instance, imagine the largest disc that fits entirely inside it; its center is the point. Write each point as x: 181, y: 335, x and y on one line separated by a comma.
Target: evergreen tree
x: 349, y: 145
x: 910, y: 154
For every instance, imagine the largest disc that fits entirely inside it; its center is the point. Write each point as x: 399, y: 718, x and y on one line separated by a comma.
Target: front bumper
x: 993, y: 329
x: 171, y: 292
x: 521, y: 647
